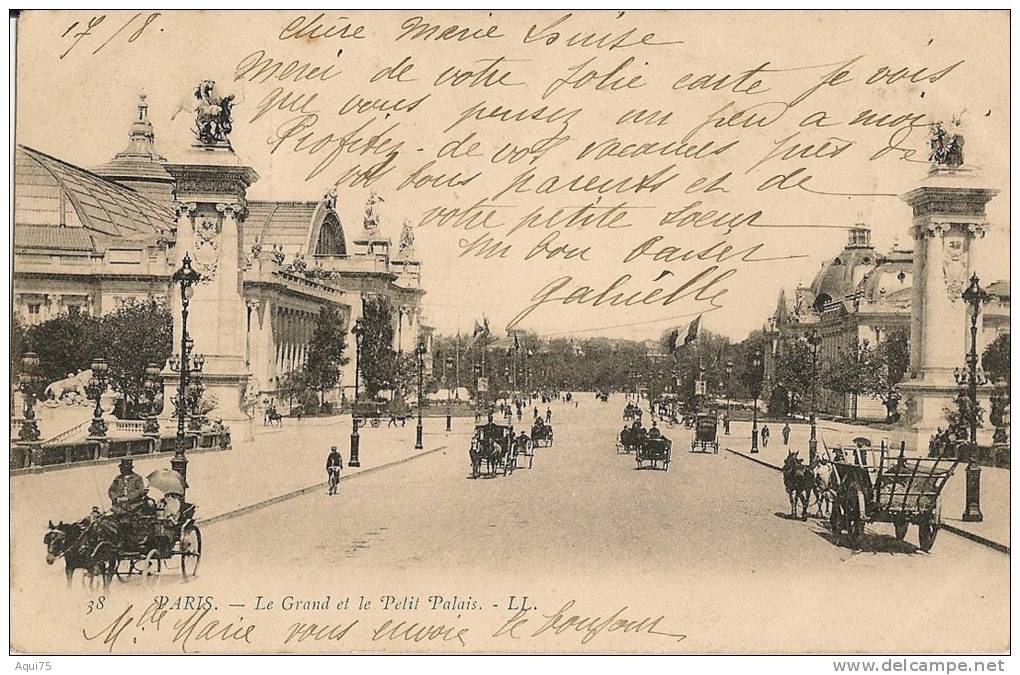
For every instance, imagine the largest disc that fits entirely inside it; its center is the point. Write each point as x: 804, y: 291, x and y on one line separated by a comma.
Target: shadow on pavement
x: 870, y: 543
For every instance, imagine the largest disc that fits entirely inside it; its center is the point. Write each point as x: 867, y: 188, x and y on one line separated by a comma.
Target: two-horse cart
x: 494, y: 445
x: 705, y: 434
x: 897, y: 489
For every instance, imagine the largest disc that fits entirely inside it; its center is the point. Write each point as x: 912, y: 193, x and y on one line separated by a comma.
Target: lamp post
x: 419, y: 352
x: 29, y: 379
x: 150, y: 385
x: 814, y: 339
x: 358, y: 331
x: 729, y: 394
x: 449, y: 421
x: 186, y: 277
x: 96, y: 388
x: 196, y: 389
x: 973, y: 295
x: 756, y: 390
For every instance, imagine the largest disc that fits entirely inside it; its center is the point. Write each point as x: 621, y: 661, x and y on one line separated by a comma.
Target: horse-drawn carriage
x: 631, y: 412
x: 630, y: 438
x: 494, y: 445
x: 369, y: 412
x: 142, y: 542
x: 541, y: 433
x: 655, y: 450
x: 705, y: 434
x: 889, y: 489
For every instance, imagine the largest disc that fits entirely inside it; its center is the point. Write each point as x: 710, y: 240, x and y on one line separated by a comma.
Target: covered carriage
x: 655, y: 450
x: 705, y: 434
x: 493, y: 445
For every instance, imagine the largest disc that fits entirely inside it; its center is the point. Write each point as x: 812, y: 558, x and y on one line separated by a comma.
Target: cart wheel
x: 926, y: 533
x: 901, y: 529
x: 191, y: 550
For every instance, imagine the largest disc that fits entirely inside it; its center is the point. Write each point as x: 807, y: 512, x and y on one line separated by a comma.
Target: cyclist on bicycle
x: 334, y: 464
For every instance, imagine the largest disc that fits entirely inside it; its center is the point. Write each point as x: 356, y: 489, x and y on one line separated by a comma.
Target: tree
x: 325, y: 353
x: 794, y: 371
x: 995, y: 359
x: 378, y: 359
x: 65, y: 344
x: 853, y: 371
x: 892, y: 358
x: 130, y: 338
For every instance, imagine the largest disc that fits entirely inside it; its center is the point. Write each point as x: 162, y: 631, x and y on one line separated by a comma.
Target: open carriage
x: 542, y: 434
x: 655, y: 451
x: 705, y: 434
x: 142, y: 542
x: 889, y: 488
x: 493, y: 445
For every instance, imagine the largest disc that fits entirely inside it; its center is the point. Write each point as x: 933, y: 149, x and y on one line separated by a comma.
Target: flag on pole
x: 517, y: 345
x: 692, y: 334
x: 481, y: 328
x: 693, y: 330
x: 478, y: 329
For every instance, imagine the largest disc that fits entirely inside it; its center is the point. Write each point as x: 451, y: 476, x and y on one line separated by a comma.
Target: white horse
x: 75, y: 383
x: 825, y: 487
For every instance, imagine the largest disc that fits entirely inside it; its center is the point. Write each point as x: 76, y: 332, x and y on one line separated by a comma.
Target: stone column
x: 949, y: 214
x: 213, y: 185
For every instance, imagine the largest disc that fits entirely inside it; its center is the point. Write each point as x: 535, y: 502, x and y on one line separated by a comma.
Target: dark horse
x: 799, y: 482
x: 85, y: 545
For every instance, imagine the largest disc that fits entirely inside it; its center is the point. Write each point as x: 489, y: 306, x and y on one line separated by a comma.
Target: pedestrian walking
x: 765, y: 436
x: 786, y: 434
x: 548, y: 415
x: 726, y: 423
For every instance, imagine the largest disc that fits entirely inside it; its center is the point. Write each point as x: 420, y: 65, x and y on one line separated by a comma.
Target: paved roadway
x: 706, y: 545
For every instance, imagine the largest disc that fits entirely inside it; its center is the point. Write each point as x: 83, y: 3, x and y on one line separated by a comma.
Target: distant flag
x: 481, y: 328
x: 692, y: 334
x: 693, y: 330
x: 673, y: 335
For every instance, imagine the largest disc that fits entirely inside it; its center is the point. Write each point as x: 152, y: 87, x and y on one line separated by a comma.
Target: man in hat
x: 127, y: 491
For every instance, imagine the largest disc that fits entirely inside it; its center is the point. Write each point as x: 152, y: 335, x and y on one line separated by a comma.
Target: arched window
x: 331, y: 237
x: 821, y: 301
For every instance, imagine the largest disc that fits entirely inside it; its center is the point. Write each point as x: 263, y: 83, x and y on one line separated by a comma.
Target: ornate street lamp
x: 973, y: 295
x: 29, y: 380
x: 359, y: 332
x: 196, y: 389
x: 756, y: 390
x: 186, y: 277
x: 446, y: 378
x: 814, y: 339
x: 150, y: 385
x: 95, y: 390
x: 419, y: 352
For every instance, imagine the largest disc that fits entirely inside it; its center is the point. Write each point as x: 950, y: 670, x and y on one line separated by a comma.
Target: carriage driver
x: 654, y: 431
x: 127, y: 491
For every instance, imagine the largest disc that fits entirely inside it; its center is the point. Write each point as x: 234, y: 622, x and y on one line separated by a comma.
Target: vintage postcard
x: 564, y: 331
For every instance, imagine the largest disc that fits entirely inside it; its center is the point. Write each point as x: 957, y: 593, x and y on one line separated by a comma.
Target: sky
x: 76, y: 100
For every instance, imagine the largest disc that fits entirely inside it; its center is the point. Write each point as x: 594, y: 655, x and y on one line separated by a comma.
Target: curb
x: 305, y: 490
x: 976, y: 538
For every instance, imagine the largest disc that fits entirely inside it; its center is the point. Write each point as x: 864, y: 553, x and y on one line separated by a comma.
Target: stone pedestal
x: 211, y: 208
x: 948, y: 215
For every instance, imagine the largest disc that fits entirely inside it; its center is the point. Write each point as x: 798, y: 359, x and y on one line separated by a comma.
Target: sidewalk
x: 279, y: 462
x: 992, y: 532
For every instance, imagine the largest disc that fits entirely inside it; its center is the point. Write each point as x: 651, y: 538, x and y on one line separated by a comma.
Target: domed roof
x: 840, y: 276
